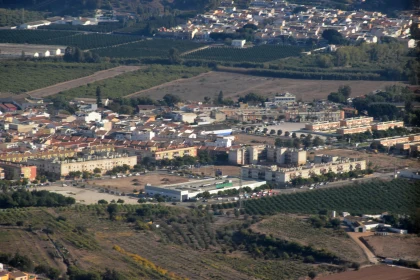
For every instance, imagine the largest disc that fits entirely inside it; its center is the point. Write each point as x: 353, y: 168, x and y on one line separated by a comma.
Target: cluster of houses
x: 281, y: 20
x: 367, y: 223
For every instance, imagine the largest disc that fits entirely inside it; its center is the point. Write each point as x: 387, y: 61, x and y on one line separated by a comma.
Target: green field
x: 397, y: 196
x: 30, y: 36
x: 23, y: 76
x: 64, y: 38
x: 262, y: 53
x: 132, y: 82
x: 149, y: 48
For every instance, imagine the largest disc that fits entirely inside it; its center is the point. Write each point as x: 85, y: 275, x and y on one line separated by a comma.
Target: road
x: 355, y: 236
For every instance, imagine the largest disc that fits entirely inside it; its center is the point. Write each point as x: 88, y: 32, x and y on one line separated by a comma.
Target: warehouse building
x: 189, y: 190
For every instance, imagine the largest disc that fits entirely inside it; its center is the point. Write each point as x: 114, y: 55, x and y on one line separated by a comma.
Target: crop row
x: 148, y: 48
x: 397, y: 196
x: 262, y: 53
x: 30, y: 36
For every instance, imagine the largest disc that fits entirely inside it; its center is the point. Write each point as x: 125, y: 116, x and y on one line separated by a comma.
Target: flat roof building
x: 189, y: 190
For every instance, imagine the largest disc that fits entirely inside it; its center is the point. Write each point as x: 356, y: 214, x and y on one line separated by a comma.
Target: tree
x: 174, y: 56
x: 220, y: 98
x: 272, y: 132
x: 97, y: 170
x: 287, y: 134
x: 126, y: 109
x: 279, y: 132
x: 278, y: 142
x: 23, y: 54
x: 112, y: 210
x: 318, y: 141
x: 312, y: 274
x: 98, y: 96
x: 111, y: 274
x: 102, y: 201
x: 294, y: 135
x: 78, y: 55
x: 171, y: 99
x: 333, y: 36
x: 345, y: 91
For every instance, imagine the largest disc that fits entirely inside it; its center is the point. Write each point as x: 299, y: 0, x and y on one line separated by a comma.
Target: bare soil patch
x: 405, y: 247
x: 381, y: 161
x: 128, y: 184
x: 234, y: 85
x: 100, y: 75
x: 249, y: 139
x: 378, y: 272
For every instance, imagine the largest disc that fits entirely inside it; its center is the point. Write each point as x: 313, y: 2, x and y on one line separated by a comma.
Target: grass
x: 132, y: 82
x: 23, y: 76
x: 297, y: 229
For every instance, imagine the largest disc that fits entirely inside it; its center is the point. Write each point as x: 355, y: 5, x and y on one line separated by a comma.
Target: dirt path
x: 355, y: 236
x: 100, y: 75
x: 170, y: 84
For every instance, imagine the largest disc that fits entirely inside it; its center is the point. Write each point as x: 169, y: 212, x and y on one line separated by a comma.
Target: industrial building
x: 62, y: 167
x: 281, y: 176
x: 189, y: 190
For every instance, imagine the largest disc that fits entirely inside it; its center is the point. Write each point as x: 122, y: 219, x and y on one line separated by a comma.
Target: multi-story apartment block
x: 281, y: 99
x: 286, y: 156
x: 173, y: 153
x: 359, y: 121
x: 62, y: 167
x: 320, y: 126
x: 17, y: 171
x: 387, y: 125
x: 353, y: 130
x: 282, y: 176
x: 247, y: 155
x: 310, y: 115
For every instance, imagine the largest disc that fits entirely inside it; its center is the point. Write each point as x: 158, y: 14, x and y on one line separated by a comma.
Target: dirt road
x: 355, y: 236
x: 100, y: 75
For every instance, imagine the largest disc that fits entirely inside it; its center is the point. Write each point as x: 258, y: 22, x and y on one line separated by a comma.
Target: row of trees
x: 306, y: 141
x: 74, y: 54
x: 23, y: 198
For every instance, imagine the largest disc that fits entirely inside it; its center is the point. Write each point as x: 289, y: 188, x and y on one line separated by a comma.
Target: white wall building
x: 238, y: 43
x: 89, y: 117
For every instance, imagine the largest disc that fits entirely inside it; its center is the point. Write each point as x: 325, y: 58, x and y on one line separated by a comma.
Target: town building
x: 387, y: 125
x: 17, y: 171
x: 322, y: 126
x: 280, y: 176
x: 358, y: 121
x: 189, y: 190
x: 281, y: 99
x: 353, y: 129
x: 62, y: 167
x: 173, y: 153
x: 286, y: 156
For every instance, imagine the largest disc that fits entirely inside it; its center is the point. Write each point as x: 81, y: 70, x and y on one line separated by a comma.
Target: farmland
x: 298, y: 229
x: 405, y: 247
x: 66, y: 38
x: 381, y: 272
x: 262, y: 53
x: 134, y: 81
x: 148, y: 48
x: 235, y: 85
x: 397, y: 196
x: 23, y: 76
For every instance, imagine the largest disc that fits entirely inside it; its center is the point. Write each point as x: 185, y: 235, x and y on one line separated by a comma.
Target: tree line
x: 23, y: 198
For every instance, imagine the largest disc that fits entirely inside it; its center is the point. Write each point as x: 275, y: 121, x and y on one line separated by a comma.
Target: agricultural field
x: 377, y: 272
x: 235, y: 85
x: 406, y: 247
x: 31, y: 36
x: 298, y: 229
x: 129, y: 83
x: 262, y: 53
x: 66, y: 38
x: 397, y: 196
x: 24, y: 76
x: 91, y: 40
x: 158, y: 48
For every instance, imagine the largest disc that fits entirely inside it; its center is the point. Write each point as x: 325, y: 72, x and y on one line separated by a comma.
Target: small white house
x: 36, y: 55
x: 238, y: 43
x: 34, y: 24
x: 45, y: 54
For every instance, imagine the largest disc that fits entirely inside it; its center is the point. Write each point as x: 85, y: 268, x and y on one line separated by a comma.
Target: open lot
x: 234, y: 85
x: 381, y: 161
x: 378, y: 272
x: 128, y: 184
x: 405, y: 247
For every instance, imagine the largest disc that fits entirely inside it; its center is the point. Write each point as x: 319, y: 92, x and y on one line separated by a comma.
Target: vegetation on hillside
x: 23, y: 76
x: 397, y: 196
x: 22, y: 198
x: 15, y: 17
x: 135, y: 81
